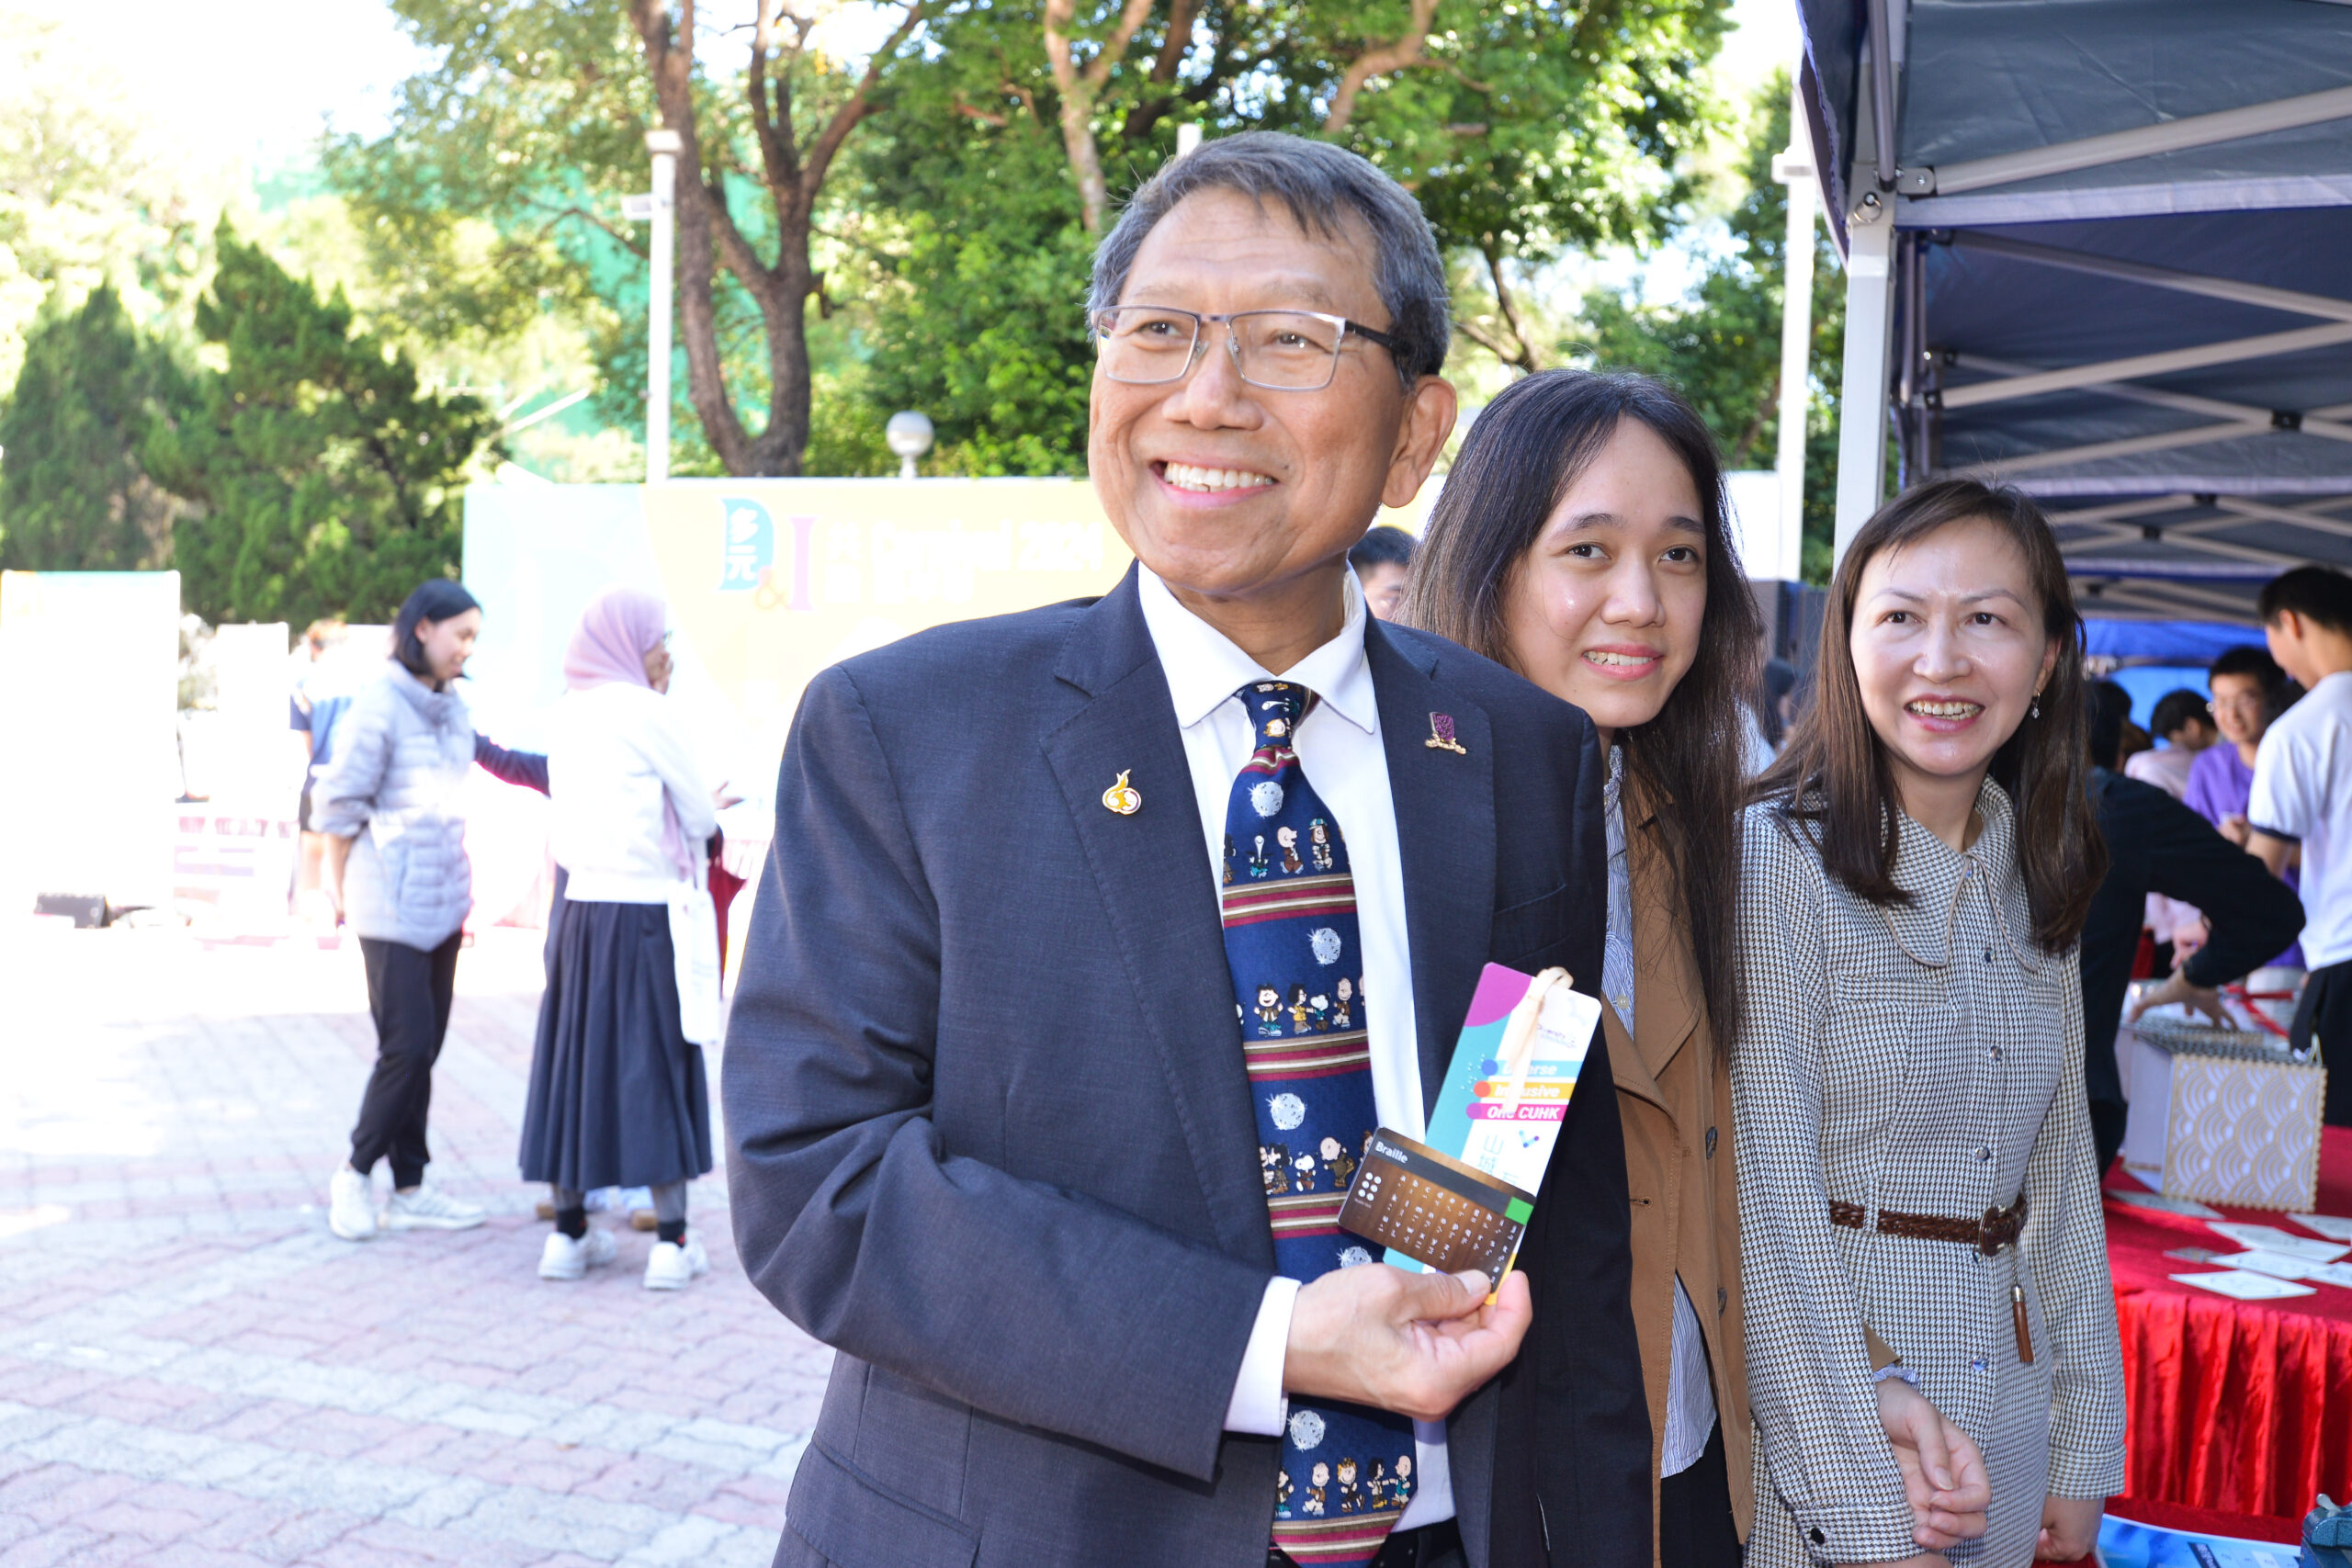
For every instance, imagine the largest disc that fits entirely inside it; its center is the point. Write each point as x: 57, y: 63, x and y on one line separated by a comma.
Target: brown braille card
x: 1435, y: 1210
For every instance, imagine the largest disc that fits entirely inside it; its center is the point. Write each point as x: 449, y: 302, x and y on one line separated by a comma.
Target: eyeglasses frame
x: 1389, y: 341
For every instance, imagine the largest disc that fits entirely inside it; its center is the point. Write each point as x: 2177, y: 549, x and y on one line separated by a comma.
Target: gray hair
x: 1320, y: 185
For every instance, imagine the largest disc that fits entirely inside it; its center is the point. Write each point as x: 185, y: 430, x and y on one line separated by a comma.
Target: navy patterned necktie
x: 1291, y: 940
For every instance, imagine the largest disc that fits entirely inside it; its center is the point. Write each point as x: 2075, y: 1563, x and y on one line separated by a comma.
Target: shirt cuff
x: 1259, y: 1407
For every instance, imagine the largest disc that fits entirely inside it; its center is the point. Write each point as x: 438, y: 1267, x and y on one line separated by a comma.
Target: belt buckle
x: 1986, y: 1230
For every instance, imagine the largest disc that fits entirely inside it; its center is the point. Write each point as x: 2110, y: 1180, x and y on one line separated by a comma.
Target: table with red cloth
x: 2242, y: 1407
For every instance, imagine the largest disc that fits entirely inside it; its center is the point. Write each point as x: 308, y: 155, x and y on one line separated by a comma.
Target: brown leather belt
x: 1997, y: 1229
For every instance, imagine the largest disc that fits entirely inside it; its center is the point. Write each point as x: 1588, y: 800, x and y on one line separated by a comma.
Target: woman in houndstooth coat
x: 1915, y: 1175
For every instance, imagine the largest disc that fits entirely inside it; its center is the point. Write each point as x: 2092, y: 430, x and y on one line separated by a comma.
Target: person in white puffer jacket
x: 392, y: 805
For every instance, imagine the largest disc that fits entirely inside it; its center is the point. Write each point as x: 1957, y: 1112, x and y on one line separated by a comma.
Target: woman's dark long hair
x: 1833, y: 772
x: 1525, y: 452
x: 436, y: 599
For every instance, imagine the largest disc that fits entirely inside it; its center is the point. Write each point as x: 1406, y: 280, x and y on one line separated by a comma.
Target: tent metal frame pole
x: 2189, y: 591
x: 2213, y: 408
x: 2260, y: 512
x: 1795, y: 168
x: 2151, y: 595
x: 2320, y: 305
x: 2198, y: 436
x: 2192, y: 536
x: 2198, y: 358
x: 1861, y: 404
x: 2120, y: 146
x: 1883, y: 111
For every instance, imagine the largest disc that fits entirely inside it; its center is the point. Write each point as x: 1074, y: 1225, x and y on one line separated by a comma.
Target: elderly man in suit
x: 1094, y: 930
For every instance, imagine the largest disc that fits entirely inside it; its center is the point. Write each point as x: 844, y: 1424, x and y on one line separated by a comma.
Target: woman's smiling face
x: 1604, y: 609
x: 1949, y: 653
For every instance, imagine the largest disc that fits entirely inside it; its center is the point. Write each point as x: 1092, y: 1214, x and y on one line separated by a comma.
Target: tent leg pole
x: 1862, y: 406
x: 1796, y: 348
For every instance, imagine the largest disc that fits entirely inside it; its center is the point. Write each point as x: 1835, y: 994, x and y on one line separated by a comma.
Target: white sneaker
x: 428, y: 1209
x: 564, y: 1258
x: 673, y: 1263
x: 351, y: 1205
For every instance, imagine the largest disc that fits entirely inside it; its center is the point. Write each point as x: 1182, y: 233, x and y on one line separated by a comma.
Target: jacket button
x: 1710, y: 1142
x: 1818, y: 1539
x: 1983, y: 1154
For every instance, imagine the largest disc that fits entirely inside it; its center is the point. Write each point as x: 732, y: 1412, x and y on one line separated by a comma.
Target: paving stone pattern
x: 194, y: 1373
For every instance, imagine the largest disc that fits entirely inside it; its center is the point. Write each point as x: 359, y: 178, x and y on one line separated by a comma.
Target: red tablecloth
x: 2245, y: 1406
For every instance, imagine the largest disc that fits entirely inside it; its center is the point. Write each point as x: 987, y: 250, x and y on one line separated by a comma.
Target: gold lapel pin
x: 1122, y: 796
x: 1441, y: 736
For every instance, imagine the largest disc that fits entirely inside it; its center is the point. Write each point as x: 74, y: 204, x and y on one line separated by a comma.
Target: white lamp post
x: 664, y: 146
x: 909, y: 435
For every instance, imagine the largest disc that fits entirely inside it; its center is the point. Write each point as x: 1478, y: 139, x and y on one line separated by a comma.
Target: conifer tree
x: 329, y: 482
x: 72, y: 494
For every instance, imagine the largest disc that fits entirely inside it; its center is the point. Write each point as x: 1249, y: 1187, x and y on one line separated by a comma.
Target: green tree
x: 1720, y: 345
x: 327, y: 482
x: 72, y: 494
x: 1525, y: 128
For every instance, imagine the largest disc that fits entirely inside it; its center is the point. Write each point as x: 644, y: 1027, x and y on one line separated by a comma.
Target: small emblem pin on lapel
x: 1122, y: 796
x: 1441, y: 736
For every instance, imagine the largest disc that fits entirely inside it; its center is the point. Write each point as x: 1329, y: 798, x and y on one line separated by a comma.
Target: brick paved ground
x: 194, y: 1373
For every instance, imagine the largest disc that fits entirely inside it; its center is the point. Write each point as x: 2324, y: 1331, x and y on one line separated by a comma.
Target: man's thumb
x: 1433, y: 1297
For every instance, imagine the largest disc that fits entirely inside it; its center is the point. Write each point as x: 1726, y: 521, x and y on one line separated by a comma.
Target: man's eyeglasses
x: 1282, y: 351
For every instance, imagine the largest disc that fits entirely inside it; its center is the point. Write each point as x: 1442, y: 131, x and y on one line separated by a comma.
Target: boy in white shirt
x: 2301, y: 802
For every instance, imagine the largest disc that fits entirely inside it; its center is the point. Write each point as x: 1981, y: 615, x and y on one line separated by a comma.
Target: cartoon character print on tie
x: 1228, y: 860
x: 1293, y: 943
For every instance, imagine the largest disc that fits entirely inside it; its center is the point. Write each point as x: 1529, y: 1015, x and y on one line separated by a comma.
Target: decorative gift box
x: 2221, y: 1115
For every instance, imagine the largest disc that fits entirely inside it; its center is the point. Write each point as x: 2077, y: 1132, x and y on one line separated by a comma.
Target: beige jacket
x: 1674, y: 1097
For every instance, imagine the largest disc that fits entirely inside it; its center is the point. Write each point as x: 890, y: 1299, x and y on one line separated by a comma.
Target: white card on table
x: 2330, y: 1273
x: 2163, y: 1204
x: 2277, y: 1264
x: 2335, y: 1227
x: 2270, y: 1238
x: 2240, y: 1285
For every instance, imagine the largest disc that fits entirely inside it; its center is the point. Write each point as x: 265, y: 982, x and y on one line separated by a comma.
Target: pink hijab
x: 618, y: 629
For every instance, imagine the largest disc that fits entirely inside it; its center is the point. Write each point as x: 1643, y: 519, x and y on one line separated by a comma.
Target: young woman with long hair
x: 1581, y: 540
x: 1916, y: 1156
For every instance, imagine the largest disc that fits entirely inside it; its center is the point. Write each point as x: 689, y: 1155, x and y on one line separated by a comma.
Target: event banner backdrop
x: 768, y: 581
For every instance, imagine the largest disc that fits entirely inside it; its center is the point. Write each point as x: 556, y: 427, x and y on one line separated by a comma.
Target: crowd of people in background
x: 1790, y: 1304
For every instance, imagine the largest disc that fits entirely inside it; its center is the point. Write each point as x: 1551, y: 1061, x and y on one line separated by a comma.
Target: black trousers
x: 409, y: 991
x: 2325, y: 1011
x: 1695, y: 1529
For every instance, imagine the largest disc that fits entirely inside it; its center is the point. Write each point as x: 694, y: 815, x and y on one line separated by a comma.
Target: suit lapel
x: 1445, y: 831
x: 1163, y: 916
x: 1666, y: 976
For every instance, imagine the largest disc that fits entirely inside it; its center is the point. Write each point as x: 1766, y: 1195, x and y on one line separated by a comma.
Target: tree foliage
x: 1526, y: 129
x: 74, y: 496
x: 948, y: 194
x: 325, y: 481
x: 1721, y: 344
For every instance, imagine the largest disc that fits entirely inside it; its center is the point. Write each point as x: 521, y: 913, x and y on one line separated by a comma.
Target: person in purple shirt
x: 2249, y: 691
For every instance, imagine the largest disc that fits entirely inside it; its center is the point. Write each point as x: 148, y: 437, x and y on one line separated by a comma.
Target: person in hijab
x: 392, y: 807
x: 618, y: 1095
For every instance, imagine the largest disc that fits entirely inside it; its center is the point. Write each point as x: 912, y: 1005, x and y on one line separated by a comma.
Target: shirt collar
x: 1204, y: 668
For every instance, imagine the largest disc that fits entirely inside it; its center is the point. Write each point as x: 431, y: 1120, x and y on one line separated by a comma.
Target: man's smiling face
x: 1229, y: 490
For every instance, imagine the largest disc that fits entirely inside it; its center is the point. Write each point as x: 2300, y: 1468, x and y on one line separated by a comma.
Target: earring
x: 2037, y: 705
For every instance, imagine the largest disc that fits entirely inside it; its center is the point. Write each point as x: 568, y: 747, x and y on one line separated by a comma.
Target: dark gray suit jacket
x: 992, y: 1139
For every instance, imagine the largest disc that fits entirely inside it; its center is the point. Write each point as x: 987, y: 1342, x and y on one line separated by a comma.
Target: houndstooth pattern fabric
x: 1927, y: 1059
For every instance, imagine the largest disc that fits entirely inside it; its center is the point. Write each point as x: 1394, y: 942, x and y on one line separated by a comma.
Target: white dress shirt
x: 2303, y: 792
x: 1339, y: 750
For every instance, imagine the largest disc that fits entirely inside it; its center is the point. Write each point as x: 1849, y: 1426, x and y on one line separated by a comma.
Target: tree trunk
x: 708, y: 237
x: 1081, y: 88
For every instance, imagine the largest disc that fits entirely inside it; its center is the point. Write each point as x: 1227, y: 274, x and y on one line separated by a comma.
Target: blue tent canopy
x: 2181, y: 644
x: 2108, y: 253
